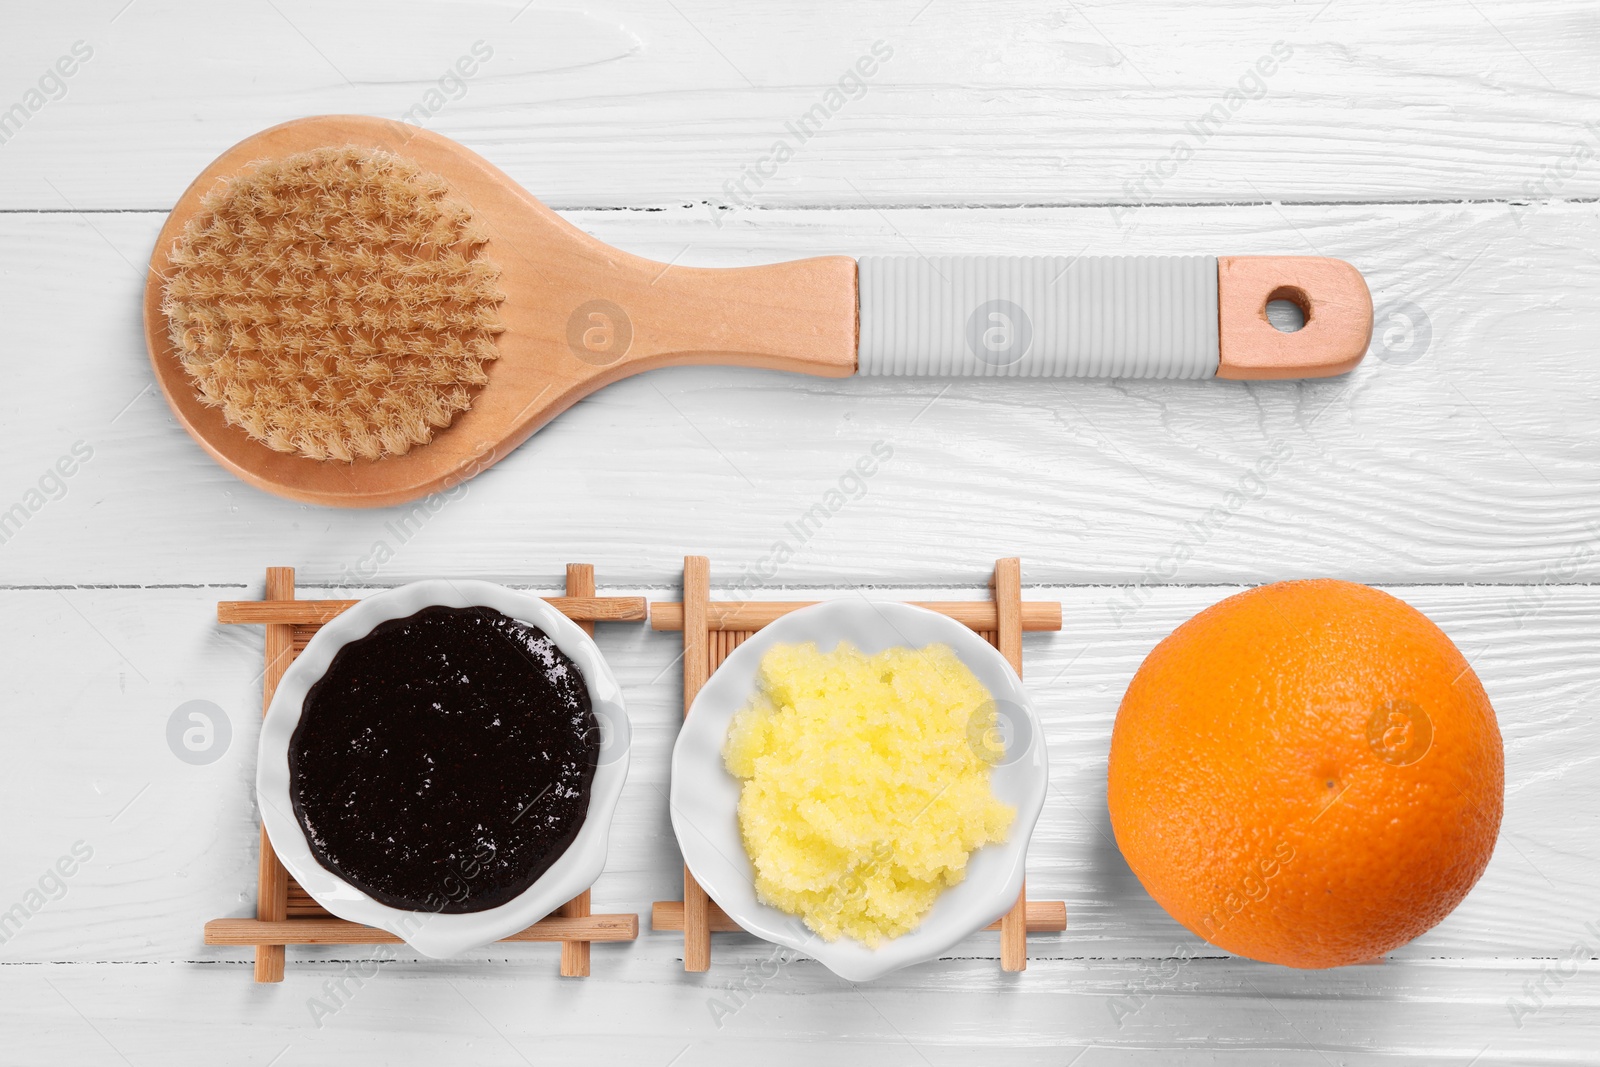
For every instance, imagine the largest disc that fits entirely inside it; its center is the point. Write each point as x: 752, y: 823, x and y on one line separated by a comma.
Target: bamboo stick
x: 1037, y: 615
x: 316, y: 612
x: 608, y: 928
x: 1008, y: 639
x: 272, y: 881
x: 575, y: 954
x: 1042, y: 917
x: 696, y: 669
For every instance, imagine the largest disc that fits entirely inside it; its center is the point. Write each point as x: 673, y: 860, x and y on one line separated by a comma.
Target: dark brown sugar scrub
x: 444, y: 761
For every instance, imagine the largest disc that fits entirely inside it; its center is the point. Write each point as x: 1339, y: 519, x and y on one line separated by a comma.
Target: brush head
x: 334, y: 303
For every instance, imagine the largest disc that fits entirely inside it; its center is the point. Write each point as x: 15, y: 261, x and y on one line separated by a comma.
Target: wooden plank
x: 1041, y: 917
x: 1472, y: 462
x: 607, y: 928
x: 575, y: 955
x: 696, y: 669
x: 583, y: 610
x: 979, y: 102
x: 1162, y: 1009
x: 272, y: 882
x: 1036, y: 615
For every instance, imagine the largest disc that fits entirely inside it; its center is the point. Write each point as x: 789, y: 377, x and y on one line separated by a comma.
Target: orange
x: 1308, y: 773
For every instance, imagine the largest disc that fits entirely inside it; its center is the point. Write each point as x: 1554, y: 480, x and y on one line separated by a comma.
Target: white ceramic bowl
x: 705, y: 796
x: 441, y: 934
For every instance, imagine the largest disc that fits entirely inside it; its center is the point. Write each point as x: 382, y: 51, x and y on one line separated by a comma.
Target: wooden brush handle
x: 798, y: 316
x: 1109, y: 316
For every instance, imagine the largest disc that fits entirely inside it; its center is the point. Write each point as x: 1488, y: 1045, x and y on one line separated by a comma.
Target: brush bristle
x: 335, y: 303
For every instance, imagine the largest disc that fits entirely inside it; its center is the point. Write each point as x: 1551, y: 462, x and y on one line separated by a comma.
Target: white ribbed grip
x: 1039, y: 316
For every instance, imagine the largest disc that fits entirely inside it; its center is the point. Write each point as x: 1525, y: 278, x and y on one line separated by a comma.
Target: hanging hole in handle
x: 1287, y: 308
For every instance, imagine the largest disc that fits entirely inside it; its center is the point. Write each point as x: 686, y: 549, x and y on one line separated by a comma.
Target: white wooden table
x: 1444, y: 146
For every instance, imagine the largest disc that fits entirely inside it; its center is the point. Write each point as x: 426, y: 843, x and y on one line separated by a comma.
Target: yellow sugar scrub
x: 866, y: 784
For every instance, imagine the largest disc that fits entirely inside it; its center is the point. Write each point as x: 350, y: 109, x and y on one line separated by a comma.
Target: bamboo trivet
x: 285, y: 913
x: 712, y: 631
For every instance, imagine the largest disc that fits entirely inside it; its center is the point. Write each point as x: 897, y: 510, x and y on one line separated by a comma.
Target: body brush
x: 350, y: 311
